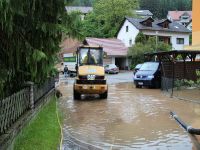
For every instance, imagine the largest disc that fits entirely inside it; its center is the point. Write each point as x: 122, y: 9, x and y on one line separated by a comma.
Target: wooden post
x: 173, y: 73
x: 184, y: 56
x: 31, y: 102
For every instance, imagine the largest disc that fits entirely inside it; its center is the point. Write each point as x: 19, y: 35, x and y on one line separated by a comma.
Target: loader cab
x: 90, y: 56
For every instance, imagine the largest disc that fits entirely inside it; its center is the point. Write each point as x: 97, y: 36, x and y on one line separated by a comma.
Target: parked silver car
x: 111, y: 68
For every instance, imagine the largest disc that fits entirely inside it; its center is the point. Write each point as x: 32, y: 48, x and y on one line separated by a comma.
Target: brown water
x: 129, y: 119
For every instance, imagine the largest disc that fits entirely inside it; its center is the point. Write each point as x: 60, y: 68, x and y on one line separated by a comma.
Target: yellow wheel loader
x: 90, y: 72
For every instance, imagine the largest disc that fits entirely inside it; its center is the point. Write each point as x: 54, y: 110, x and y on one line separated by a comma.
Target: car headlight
x: 151, y: 76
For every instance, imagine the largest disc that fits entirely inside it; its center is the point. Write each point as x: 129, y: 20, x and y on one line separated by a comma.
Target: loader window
x: 91, y: 56
x: 83, y: 55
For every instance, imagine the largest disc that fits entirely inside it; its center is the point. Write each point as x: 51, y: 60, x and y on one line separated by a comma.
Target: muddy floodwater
x: 129, y: 119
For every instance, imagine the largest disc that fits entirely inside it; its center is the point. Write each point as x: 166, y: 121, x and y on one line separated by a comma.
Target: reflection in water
x: 130, y: 118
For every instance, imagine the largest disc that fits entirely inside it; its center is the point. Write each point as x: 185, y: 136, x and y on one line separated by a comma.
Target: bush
x: 142, y: 46
x: 198, y: 78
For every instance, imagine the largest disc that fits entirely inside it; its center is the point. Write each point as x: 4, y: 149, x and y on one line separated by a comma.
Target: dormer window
x: 164, y: 23
x: 184, y: 17
x: 147, y: 22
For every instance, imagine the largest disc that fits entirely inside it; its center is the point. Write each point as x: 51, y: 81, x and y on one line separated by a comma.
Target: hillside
x: 158, y: 7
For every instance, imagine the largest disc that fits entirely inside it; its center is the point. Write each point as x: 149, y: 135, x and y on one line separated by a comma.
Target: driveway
x: 129, y: 118
x: 120, y: 77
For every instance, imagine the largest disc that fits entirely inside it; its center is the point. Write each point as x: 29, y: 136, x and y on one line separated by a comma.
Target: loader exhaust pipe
x: 189, y: 129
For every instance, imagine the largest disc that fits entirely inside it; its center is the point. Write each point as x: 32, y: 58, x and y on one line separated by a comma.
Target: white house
x: 165, y: 30
x: 182, y: 17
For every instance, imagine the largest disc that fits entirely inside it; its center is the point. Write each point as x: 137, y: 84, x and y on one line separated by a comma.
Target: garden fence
x: 14, y: 106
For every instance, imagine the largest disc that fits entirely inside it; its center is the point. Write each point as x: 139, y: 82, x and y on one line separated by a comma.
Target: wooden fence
x: 182, y: 70
x: 13, y: 107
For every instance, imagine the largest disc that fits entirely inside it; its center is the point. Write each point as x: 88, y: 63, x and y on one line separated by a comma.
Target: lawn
x: 43, y: 132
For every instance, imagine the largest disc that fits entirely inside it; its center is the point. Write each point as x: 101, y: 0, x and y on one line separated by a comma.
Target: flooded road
x: 129, y: 119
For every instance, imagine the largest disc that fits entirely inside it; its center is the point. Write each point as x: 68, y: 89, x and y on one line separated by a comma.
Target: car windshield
x: 111, y: 66
x: 90, y: 56
x: 138, y: 66
x: 150, y: 66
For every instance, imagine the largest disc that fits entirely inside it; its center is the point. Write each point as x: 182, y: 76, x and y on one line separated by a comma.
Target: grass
x: 43, y: 132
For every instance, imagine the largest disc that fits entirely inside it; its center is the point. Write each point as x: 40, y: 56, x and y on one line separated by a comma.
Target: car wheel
x: 138, y: 86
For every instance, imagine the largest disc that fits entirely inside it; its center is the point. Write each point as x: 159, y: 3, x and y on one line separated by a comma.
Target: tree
x: 81, y: 3
x: 160, y: 8
x: 30, y: 33
x: 107, y: 16
x: 72, y: 25
x: 93, y: 27
x: 145, y: 45
x: 140, y: 38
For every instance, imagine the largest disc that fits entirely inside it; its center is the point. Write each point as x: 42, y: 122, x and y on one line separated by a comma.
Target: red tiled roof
x: 175, y: 15
x: 113, y: 47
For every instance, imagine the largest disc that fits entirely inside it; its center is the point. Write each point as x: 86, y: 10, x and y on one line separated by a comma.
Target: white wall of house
x: 113, y: 60
x: 107, y: 60
x: 174, y: 36
x: 128, y: 37
x: 178, y: 46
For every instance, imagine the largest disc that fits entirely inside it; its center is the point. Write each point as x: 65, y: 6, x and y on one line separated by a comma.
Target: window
x: 180, y: 41
x: 126, y: 28
x: 130, y: 42
x: 88, y: 56
x: 166, y: 25
x: 185, y: 17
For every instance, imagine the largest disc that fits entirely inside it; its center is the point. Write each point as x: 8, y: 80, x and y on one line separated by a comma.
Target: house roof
x: 113, y: 47
x: 189, y: 23
x: 173, y: 26
x: 143, y: 13
x: 175, y: 15
x: 84, y: 10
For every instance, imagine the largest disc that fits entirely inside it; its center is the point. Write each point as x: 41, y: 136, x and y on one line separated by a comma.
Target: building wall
x: 125, y: 37
x: 107, y: 60
x: 113, y: 60
x: 173, y: 38
x: 195, y: 22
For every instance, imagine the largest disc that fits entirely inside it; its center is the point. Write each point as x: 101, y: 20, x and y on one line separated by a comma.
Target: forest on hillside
x: 158, y: 7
